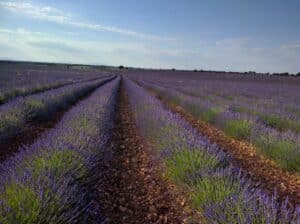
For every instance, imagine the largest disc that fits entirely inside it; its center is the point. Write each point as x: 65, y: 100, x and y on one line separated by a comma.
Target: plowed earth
x: 132, y: 189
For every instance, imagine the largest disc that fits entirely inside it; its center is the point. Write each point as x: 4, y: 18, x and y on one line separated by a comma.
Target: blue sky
x: 260, y: 35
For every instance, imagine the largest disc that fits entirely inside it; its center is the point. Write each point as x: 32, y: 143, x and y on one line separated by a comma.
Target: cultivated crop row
x: 92, y: 157
x: 50, y: 181
x: 273, y: 129
x: 217, y: 188
x: 15, y: 114
x: 14, y: 83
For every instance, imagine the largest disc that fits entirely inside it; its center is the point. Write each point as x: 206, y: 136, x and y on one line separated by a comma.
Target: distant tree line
x: 275, y: 73
x: 252, y: 73
x: 123, y: 67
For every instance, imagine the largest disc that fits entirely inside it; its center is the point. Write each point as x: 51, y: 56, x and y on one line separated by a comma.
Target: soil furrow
x: 132, y: 189
x: 260, y: 169
x: 36, y: 128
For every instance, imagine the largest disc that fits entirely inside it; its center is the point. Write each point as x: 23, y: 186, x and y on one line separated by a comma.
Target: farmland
x: 108, y: 145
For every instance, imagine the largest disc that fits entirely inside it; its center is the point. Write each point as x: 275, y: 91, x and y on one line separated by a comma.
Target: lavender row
x: 217, y: 189
x: 14, y: 83
x: 14, y: 92
x: 265, y: 96
x: 19, y: 76
x: 17, y: 113
x: 280, y: 146
x: 273, y: 112
x: 215, y: 113
x: 50, y: 181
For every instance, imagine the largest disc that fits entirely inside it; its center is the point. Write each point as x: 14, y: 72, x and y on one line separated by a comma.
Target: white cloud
x: 22, y: 44
x: 20, y: 31
x: 43, y: 13
x: 5, y: 30
x: 49, y: 13
x: 119, y: 30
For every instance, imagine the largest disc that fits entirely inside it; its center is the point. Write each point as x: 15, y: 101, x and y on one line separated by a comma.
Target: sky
x: 230, y: 35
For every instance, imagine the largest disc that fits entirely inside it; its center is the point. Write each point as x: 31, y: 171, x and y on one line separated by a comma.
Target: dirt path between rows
x: 132, y: 190
x: 34, y: 129
x: 257, y: 167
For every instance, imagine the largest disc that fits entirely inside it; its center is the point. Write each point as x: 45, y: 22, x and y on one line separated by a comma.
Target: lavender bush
x: 217, y: 188
x: 274, y: 131
x: 17, y: 81
x: 49, y: 181
x: 15, y: 114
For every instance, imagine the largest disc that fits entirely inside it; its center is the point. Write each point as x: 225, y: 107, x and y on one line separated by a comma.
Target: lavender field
x: 109, y: 145
x: 264, y: 111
